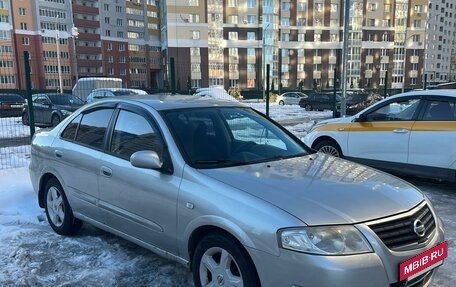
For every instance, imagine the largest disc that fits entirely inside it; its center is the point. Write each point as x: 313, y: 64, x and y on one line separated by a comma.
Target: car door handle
x: 58, y: 153
x: 106, y: 171
x: 400, y: 131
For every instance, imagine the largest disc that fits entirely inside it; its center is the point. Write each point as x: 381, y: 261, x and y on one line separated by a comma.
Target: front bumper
x: 377, y: 269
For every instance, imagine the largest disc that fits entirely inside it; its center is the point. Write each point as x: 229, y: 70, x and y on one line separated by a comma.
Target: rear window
x: 11, y: 98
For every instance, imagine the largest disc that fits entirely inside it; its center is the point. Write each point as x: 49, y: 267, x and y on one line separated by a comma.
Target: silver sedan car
x: 229, y: 193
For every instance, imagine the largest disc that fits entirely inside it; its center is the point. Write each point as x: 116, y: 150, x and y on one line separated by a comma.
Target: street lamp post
x: 59, y: 68
x: 263, y: 66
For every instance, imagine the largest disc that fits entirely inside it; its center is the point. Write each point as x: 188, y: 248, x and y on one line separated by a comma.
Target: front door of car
x: 140, y: 202
x: 384, y: 133
x: 433, y: 137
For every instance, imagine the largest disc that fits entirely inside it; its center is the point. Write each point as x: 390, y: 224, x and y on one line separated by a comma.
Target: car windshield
x: 124, y: 93
x: 221, y: 137
x: 65, y: 100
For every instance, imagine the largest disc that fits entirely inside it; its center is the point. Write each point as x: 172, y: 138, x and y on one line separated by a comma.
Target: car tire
x: 58, y: 210
x: 55, y: 120
x: 25, y: 119
x: 281, y: 103
x: 329, y: 147
x: 308, y: 107
x: 213, y: 251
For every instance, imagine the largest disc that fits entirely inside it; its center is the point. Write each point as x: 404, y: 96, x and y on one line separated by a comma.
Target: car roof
x: 438, y: 92
x: 163, y: 102
x: 113, y: 89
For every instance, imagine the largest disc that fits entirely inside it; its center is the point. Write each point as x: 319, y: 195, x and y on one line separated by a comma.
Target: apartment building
x: 403, y: 44
x: 440, y: 42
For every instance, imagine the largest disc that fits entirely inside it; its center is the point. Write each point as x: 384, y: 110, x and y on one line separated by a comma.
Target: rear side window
x: 440, y: 111
x: 92, y: 129
x: 70, y: 131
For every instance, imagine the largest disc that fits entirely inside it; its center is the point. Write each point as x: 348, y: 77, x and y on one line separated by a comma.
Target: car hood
x: 320, y: 189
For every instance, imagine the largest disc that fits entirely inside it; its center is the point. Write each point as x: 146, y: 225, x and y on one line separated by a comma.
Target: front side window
x: 132, y: 133
x: 395, y: 111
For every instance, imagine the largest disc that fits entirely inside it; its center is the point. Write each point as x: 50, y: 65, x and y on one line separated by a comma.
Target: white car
x: 214, y: 92
x: 98, y: 94
x: 411, y: 133
x: 290, y: 98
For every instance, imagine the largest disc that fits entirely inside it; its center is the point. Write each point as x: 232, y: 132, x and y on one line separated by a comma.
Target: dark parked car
x: 319, y: 101
x: 49, y: 109
x: 357, y: 102
x: 11, y: 105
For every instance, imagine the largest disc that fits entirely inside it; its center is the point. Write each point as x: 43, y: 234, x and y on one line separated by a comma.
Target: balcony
x: 369, y: 59
x: 413, y: 74
x: 86, y: 23
x: 317, y: 60
x: 332, y: 59
x: 89, y: 36
x: 414, y: 59
x: 317, y: 74
x: 88, y: 50
x: 89, y: 63
x: 81, y: 9
x: 368, y: 74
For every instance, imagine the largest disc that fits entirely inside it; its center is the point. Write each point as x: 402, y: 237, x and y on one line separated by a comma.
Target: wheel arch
x: 326, y: 138
x: 205, y: 230
x: 41, y: 188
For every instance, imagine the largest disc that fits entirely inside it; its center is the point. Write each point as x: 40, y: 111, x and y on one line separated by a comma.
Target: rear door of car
x: 383, y: 133
x: 433, y: 137
x: 138, y: 201
x: 40, y: 107
x: 78, y: 154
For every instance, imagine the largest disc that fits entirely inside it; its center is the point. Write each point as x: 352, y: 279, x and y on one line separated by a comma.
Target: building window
x: 317, y: 37
x: 285, y: 6
x: 285, y: 22
x: 25, y: 40
x: 285, y: 37
x: 22, y: 11
x: 301, y: 22
x: 301, y: 37
x: 195, y: 35
x: 251, y: 3
x: 387, y: 8
x: 372, y: 7
x: 417, y: 23
x: 194, y: 18
x: 251, y: 36
x: 334, y: 8
x: 232, y: 35
x: 251, y: 19
x: 109, y: 47
x: 371, y: 22
x: 194, y: 52
x: 302, y: 6
x: 23, y: 26
x: 193, y: 2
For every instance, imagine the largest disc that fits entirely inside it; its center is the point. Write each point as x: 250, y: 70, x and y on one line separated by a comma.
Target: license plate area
x: 423, y: 262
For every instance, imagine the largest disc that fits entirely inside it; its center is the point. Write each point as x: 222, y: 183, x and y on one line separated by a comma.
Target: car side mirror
x: 361, y: 118
x: 146, y: 159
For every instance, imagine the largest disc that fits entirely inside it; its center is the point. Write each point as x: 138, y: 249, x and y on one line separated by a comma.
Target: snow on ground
x: 31, y: 254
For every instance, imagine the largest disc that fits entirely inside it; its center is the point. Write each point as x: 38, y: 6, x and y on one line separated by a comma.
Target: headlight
x: 325, y: 240
x: 65, y: 112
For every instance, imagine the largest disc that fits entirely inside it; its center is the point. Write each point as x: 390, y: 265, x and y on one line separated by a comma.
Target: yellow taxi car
x: 411, y: 133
